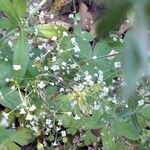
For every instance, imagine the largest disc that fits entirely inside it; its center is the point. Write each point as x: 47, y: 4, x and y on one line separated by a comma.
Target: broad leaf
x: 20, y: 7
x: 126, y: 129
x: 5, y: 72
x: 49, y: 30
x: 9, y: 98
x: 21, y: 56
x: 8, y: 9
x: 108, y: 139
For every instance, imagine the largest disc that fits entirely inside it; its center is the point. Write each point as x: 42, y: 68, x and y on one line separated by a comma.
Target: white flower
x: 29, y: 117
x: 4, y: 122
x: 7, y: 80
x: 41, y: 85
x: 64, y: 63
x: 141, y: 102
x: 73, y: 40
x: 55, y: 143
x: 117, y: 64
x: 45, y: 68
x: 76, y: 117
x: 63, y: 133
x: 5, y: 114
x: 73, y: 66
x: 48, y: 121
x: 13, y: 87
x: 51, y: 16
x: 76, y: 48
x: 32, y: 108
x: 22, y: 111
x: 121, y: 40
x: 65, y: 33
x: 94, y: 57
x: 55, y: 67
x: 114, y: 39
x: 17, y: 67
x: 71, y: 16
x: 10, y: 43
x: 54, y: 38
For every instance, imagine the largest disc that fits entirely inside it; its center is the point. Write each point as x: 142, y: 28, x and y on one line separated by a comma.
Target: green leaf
x: 9, y: 138
x: 20, y: 7
x: 102, y: 48
x: 85, y: 48
x: 6, y: 24
x: 108, y: 139
x: 7, y: 8
x: 22, y: 136
x: 21, y: 56
x: 49, y: 30
x: 9, y: 98
x: 9, y: 145
x: 122, y: 128
x: 145, y: 111
x: 4, y: 134
x: 88, y: 138
x: 5, y: 72
x: 112, y: 19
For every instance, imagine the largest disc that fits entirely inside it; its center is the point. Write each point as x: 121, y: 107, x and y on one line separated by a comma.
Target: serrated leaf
x: 9, y: 138
x: 108, y: 139
x: 85, y: 48
x: 9, y: 145
x: 20, y: 7
x: 21, y: 56
x: 5, y: 72
x: 21, y: 136
x: 126, y: 129
x: 88, y: 138
x: 145, y: 111
x: 9, y: 98
x: 49, y: 30
x: 102, y: 48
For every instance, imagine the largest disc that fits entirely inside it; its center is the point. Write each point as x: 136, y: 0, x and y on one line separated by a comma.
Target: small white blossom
x: 22, y: 111
x: 63, y: 133
x: 76, y: 117
x: 51, y: 16
x: 65, y: 33
x: 54, y: 38
x: 41, y: 85
x: 10, y: 43
x: 16, y: 67
x: 45, y: 68
x: 94, y: 57
x: 73, y: 40
x: 13, y: 87
x: 117, y: 64
x: 48, y: 121
x: 71, y: 16
x: 7, y: 80
x: 32, y: 108
x: 76, y: 48
x: 55, y: 67
x: 115, y: 39
x: 55, y: 143
x: 4, y: 122
x: 141, y: 102
x: 29, y: 117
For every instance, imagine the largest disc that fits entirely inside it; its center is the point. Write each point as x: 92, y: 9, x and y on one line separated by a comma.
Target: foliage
x: 60, y: 90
